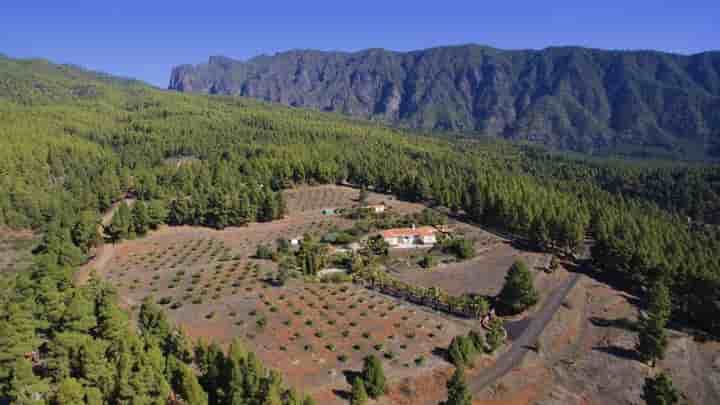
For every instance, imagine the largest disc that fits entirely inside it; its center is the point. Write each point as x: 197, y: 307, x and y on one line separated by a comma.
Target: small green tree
x: 458, y: 392
x: 377, y: 246
x: 373, y: 376
x: 495, y: 335
x: 185, y: 383
x: 427, y: 261
x: 121, y: 224
x: 157, y: 213
x: 85, y: 232
x: 140, y: 218
x: 660, y: 391
x: 359, y: 394
x: 464, y: 249
x: 23, y: 386
x: 652, y: 339
x: 462, y: 351
x: 477, y: 339
x: 70, y: 392
x: 518, y: 293
x: 263, y: 252
x: 363, y: 196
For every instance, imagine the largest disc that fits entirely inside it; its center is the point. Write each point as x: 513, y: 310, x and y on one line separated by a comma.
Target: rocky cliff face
x: 574, y: 98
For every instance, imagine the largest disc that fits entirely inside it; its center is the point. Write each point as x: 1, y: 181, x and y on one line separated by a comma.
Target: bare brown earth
x: 216, y: 292
x: 586, y: 356
x: 484, y: 274
x: 313, y: 333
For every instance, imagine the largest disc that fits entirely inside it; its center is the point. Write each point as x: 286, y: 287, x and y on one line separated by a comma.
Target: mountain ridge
x: 568, y: 97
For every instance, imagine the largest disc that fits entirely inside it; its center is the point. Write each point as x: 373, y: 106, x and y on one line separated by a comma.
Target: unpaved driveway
x: 104, y: 252
x: 513, y: 357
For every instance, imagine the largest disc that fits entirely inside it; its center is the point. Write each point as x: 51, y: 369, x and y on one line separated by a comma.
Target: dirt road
x: 512, y: 358
x: 104, y: 252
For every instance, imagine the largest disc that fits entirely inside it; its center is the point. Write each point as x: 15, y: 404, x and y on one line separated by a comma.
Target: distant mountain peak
x: 564, y: 97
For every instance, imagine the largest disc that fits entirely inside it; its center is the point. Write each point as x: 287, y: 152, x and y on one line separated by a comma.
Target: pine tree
x: 518, y: 293
x: 157, y: 213
x: 58, y: 246
x: 359, y: 394
x: 363, y: 196
x: 70, y: 392
x: 462, y: 351
x: 24, y: 387
x: 660, y: 391
x: 140, y: 218
x: 85, y: 233
x: 652, y: 340
x: 495, y: 335
x: 186, y: 385
x: 458, y: 392
x: 121, y: 224
x: 373, y: 376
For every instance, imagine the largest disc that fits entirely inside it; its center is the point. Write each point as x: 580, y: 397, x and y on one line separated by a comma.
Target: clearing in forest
x: 314, y: 333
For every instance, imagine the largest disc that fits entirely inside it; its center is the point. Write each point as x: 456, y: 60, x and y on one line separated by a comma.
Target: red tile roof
x: 400, y: 232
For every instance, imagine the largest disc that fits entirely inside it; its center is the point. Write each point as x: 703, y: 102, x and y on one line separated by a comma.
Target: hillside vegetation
x: 66, y: 155
x: 629, y: 102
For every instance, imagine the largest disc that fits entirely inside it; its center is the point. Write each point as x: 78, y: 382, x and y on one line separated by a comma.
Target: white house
x: 377, y: 208
x: 410, y: 237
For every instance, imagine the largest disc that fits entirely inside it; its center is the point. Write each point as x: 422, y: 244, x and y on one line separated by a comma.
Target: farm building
x: 410, y: 237
x: 329, y: 211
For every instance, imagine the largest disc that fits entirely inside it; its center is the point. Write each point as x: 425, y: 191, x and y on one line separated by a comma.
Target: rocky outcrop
x: 572, y: 98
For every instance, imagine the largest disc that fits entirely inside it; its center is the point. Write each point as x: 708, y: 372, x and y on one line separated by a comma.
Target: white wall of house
x: 411, y: 241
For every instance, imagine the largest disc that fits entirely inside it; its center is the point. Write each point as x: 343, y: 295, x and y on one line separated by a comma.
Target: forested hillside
x: 66, y: 155
x: 628, y: 102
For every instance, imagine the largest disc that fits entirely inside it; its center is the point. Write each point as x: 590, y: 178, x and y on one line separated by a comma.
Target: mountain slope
x: 569, y: 98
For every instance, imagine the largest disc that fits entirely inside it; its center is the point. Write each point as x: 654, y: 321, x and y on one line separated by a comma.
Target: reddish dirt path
x: 103, y: 253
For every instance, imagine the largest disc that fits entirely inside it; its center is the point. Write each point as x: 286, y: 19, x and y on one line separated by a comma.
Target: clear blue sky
x: 144, y: 39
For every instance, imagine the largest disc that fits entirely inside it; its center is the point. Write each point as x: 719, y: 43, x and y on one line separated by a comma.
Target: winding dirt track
x: 513, y: 357
x: 104, y: 252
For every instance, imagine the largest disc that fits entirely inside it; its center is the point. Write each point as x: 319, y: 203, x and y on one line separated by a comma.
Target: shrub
x: 427, y: 262
x: 373, y: 376
x: 463, y: 249
x: 518, y: 293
